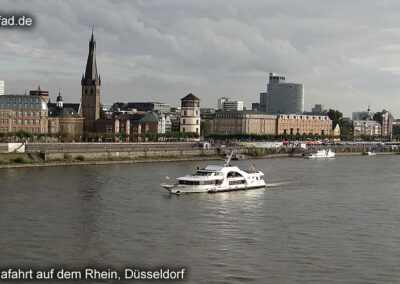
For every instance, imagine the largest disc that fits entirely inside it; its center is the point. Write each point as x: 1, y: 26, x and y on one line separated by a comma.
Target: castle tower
x: 190, y: 114
x: 91, y: 83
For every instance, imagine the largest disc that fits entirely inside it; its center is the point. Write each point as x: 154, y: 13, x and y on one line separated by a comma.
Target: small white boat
x: 217, y: 178
x: 326, y: 153
x: 369, y: 153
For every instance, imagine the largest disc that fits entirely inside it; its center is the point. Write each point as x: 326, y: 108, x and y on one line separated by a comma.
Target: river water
x: 327, y: 221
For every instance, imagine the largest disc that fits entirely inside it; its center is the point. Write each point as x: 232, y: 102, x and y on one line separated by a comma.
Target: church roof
x: 190, y: 97
x: 91, y: 77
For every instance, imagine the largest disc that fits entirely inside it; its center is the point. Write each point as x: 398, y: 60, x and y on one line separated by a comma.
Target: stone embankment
x: 52, y: 154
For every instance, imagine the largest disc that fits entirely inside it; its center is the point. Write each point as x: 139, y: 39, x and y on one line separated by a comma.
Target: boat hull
x: 178, y: 189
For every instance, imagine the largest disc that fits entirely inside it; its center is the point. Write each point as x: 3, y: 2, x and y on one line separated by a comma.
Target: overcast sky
x: 346, y: 52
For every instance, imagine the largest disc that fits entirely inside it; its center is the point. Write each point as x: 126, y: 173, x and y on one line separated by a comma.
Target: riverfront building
x: 303, y: 124
x: 247, y: 122
x: 190, y: 114
x: 23, y: 113
x: 282, y: 97
x: 65, y: 118
x: 1, y: 87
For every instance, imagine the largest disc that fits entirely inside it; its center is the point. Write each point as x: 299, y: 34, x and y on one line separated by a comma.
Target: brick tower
x: 91, y: 83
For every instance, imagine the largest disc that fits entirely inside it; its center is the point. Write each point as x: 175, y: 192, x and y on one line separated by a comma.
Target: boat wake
x: 277, y: 184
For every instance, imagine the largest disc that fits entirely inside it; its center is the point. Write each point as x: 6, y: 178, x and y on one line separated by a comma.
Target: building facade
x: 190, y: 114
x: 366, y: 127
x: 282, y: 97
x: 386, y: 120
x: 91, y: 83
x: 246, y: 122
x: 141, y: 106
x: 65, y: 119
x: 293, y: 124
x: 23, y: 113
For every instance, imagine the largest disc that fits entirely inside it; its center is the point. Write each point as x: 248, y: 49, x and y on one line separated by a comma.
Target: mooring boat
x: 217, y: 178
x: 320, y: 154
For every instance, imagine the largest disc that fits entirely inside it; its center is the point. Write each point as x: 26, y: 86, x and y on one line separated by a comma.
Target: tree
x: 205, y: 127
x: 336, y: 117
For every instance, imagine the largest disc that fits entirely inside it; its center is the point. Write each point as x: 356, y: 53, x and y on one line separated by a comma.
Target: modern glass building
x: 282, y: 97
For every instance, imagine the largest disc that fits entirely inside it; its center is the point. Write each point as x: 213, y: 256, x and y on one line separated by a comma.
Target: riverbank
x: 24, y: 160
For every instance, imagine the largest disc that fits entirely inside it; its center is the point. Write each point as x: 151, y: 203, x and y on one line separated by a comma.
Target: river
x: 324, y: 221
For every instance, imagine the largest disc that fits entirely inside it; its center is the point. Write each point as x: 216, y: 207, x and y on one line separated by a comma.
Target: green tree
x: 205, y: 128
x: 336, y: 116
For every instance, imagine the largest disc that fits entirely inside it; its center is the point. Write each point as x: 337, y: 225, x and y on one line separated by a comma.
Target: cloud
x: 345, y: 53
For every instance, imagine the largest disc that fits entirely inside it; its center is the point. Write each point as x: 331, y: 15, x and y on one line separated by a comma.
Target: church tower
x: 91, y: 83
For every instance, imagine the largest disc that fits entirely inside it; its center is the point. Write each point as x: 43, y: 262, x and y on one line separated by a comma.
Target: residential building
x: 190, y: 114
x: 91, y: 83
x: 366, y: 127
x: 282, y: 97
x: 303, y: 124
x: 152, y: 122
x: 1, y: 87
x: 23, y: 113
x: 247, y: 122
x: 386, y: 119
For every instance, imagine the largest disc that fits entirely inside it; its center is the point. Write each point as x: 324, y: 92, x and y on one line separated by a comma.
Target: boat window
x: 233, y: 174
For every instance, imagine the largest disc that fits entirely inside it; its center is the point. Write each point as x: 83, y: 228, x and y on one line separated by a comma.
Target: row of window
x: 15, y: 105
x: 26, y: 129
x: 21, y: 113
x: 22, y: 121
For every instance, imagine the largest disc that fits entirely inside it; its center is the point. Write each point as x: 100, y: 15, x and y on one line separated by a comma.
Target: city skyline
x: 157, y: 51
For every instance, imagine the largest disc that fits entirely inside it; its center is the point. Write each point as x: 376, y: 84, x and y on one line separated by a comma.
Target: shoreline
x: 169, y: 159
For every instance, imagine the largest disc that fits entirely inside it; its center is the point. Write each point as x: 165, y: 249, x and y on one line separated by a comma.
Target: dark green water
x: 333, y: 221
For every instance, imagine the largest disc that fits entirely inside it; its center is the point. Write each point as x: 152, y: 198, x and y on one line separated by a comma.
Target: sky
x: 345, y: 52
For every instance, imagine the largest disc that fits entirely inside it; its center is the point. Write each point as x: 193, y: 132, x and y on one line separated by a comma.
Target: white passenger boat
x: 217, y: 178
x: 320, y: 154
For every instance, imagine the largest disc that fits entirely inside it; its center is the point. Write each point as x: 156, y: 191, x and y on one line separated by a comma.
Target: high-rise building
x: 282, y: 97
x: 91, y: 83
x: 225, y: 103
x: 220, y: 102
x: 190, y: 114
x: 1, y: 88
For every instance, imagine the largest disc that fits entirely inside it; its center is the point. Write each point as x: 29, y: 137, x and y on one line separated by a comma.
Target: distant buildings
x: 190, y: 114
x: 141, y: 107
x: 225, y: 103
x: 282, y: 97
x: 370, y: 123
x: 1, y: 87
x: 319, y: 109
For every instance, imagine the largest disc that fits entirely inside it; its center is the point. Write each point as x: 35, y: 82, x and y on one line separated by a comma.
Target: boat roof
x: 214, y: 168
